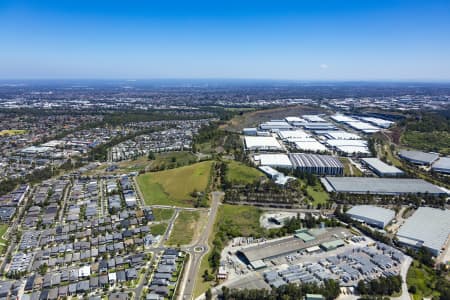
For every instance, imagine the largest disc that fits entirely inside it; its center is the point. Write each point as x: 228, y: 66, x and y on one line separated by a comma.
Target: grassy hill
x: 174, y: 187
x: 238, y: 173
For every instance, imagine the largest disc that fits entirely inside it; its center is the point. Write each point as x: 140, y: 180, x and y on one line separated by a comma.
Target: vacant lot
x: 319, y: 195
x: 3, y: 228
x: 174, y: 187
x: 158, y: 229
x: 231, y: 221
x: 254, y: 118
x: 162, y: 214
x: 239, y: 219
x: 186, y: 228
x: 238, y: 173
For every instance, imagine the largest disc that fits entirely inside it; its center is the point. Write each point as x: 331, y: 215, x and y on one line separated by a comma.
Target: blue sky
x: 300, y: 40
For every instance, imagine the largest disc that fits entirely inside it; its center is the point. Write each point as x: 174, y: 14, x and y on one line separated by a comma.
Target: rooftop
x: 262, y: 142
x: 372, y: 212
x: 419, y: 156
x: 381, y: 166
x: 388, y: 186
x: 427, y: 226
x: 442, y: 163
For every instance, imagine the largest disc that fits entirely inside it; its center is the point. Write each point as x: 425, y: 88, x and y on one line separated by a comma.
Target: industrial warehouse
x: 317, y: 164
x: 381, y: 168
x: 267, y: 143
x: 309, y: 163
x: 442, y: 165
x: 309, y: 240
x: 381, y: 186
x: 418, y: 157
x: 427, y: 227
x: 372, y: 215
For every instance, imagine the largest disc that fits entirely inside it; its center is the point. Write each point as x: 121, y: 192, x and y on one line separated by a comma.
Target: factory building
x: 250, y: 131
x: 319, y: 126
x: 442, y: 165
x: 292, y: 135
x: 278, y: 160
x: 380, y: 186
x: 295, y: 121
x: 313, y: 118
x: 310, y: 145
x: 427, y: 227
x: 378, y: 122
x: 372, y: 215
x: 349, y: 146
x: 264, y: 143
x: 317, y: 164
x: 340, y: 135
x: 275, y: 125
x: 313, y: 238
x: 418, y: 157
x: 381, y: 168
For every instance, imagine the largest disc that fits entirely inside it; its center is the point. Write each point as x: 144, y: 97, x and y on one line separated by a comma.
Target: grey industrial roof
x: 372, y: 212
x: 362, y: 185
x: 381, y: 166
x: 419, y: 156
x: 314, y: 160
x: 287, y: 245
x: 442, y: 164
x: 428, y: 225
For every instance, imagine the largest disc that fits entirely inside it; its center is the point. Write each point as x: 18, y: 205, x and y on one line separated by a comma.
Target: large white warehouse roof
x: 262, y: 143
x: 291, y: 134
x: 381, y: 167
x: 274, y: 160
x: 341, y: 135
x: 313, y: 118
x: 429, y: 227
x: 442, y: 165
x: 313, y: 146
x: 376, y: 213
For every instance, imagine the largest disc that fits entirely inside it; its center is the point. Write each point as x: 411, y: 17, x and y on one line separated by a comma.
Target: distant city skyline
x: 277, y: 40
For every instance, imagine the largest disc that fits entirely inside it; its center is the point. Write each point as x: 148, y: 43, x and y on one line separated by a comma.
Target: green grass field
x: 12, y: 132
x: 3, y: 228
x: 158, y: 229
x: 238, y: 173
x: 244, y: 220
x: 174, y: 187
x: 238, y: 220
x: 184, y: 229
x: 423, y: 279
x: 319, y: 195
x: 162, y: 214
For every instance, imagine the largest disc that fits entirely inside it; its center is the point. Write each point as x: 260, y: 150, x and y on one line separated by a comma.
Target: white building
x: 372, y: 215
x: 274, y: 160
x: 262, y: 143
x: 427, y: 227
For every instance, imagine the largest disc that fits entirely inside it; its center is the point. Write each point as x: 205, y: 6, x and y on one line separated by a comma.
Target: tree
x: 208, y: 294
x: 151, y: 155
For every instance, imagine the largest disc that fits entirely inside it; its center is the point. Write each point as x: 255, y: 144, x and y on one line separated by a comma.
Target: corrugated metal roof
x: 428, y: 225
x: 372, y: 212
